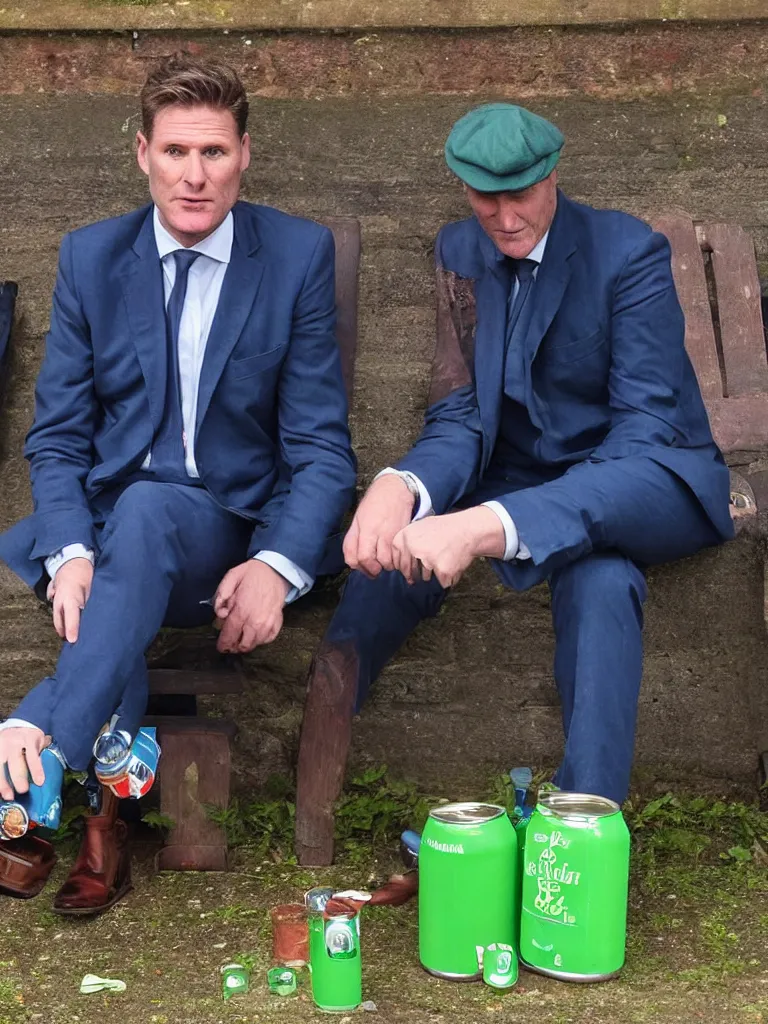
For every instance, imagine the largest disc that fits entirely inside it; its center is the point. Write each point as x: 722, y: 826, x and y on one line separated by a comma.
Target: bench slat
x: 163, y: 681
x: 738, y: 300
x: 691, y: 283
x: 194, y: 724
x: 346, y: 235
x: 739, y: 424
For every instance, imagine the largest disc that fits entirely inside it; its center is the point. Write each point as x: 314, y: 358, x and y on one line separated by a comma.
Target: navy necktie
x: 174, y: 421
x: 183, y: 258
x: 524, y: 271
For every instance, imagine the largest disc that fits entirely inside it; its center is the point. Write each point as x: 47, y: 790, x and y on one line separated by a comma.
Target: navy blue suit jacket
x: 606, y: 371
x: 272, y: 441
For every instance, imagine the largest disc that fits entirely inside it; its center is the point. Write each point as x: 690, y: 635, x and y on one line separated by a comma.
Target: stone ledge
x: 518, y: 64
x: 264, y: 15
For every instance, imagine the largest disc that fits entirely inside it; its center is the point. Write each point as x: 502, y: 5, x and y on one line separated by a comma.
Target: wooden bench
x: 715, y: 273
x: 196, y: 761
x: 716, y: 276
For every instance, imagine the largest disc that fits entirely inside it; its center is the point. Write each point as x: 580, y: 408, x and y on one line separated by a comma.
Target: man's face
x: 516, y: 221
x: 194, y: 159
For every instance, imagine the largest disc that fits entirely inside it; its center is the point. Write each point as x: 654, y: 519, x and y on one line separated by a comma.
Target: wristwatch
x: 410, y: 482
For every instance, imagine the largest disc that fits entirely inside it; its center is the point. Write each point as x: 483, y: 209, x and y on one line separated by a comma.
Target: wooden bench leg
x: 194, y: 771
x: 326, y: 734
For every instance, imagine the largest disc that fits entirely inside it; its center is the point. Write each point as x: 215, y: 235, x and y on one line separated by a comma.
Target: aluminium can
x: 335, y: 963
x: 468, y: 894
x: 575, y: 881
x: 14, y: 820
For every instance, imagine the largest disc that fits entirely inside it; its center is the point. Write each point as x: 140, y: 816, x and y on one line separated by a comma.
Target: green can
x: 334, y: 962
x: 282, y: 981
x: 235, y: 979
x: 468, y: 896
x: 521, y: 827
x: 575, y: 880
x: 499, y: 965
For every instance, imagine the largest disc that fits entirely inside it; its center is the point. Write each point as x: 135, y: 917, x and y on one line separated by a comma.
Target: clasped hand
x: 382, y: 536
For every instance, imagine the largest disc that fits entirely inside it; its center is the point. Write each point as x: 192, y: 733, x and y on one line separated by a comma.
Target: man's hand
x: 69, y: 591
x: 446, y: 545
x: 20, y: 748
x: 249, y: 602
x: 384, y: 511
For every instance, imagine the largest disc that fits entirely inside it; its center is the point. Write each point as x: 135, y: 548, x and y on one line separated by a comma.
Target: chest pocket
x: 555, y: 351
x: 251, y: 365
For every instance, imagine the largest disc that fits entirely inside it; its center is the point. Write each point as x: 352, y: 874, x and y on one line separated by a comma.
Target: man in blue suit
x: 570, y: 442
x: 190, y: 452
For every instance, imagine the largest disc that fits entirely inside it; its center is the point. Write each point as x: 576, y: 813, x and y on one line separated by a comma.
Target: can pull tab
x: 340, y: 941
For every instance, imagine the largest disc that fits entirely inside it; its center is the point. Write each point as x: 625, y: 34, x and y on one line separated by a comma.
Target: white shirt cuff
x: 300, y: 582
x: 17, y: 723
x: 425, y: 501
x: 515, y: 548
x: 54, y: 562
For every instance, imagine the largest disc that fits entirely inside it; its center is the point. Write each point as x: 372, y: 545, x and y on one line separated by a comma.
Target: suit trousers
x: 163, y: 549
x: 647, y: 515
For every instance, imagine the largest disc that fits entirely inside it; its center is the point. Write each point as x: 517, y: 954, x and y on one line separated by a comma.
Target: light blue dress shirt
x: 513, y: 546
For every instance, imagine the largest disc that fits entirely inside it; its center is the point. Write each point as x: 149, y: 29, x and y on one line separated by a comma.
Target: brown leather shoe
x: 25, y: 864
x: 101, y: 875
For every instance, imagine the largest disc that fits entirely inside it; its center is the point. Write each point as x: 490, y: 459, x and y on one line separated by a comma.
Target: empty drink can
x: 575, y: 880
x: 334, y: 955
x: 126, y: 766
x: 468, y: 893
x: 499, y: 965
x: 40, y: 805
x: 14, y: 820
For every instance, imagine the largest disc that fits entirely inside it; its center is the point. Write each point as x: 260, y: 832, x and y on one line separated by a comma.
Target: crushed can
x: 127, y: 767
x: 40, y: 805
x: 14, y: 820
x: 282, y: 981
x: 500, y: 967
x: 575, y: 881
x: 235, y: 980
x: 468, y: 888
x: 334, y: 955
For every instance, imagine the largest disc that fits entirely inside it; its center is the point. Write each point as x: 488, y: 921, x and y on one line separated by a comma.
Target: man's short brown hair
x: 184, y: 81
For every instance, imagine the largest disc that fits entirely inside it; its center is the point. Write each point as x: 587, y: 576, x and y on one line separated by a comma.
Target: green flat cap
x: 502, y: 148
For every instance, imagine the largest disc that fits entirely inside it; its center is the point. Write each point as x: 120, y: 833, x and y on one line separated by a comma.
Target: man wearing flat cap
x: 569, y: 444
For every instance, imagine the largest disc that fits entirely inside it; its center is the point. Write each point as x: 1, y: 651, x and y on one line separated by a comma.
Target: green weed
x: 693, y: 829
x: 260, y: 826
x: 162, y: 822
x: 236, y: 912
x: 376, y: 808
x: 373, y: 810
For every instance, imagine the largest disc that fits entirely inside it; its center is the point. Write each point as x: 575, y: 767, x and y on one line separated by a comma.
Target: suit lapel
x: 238, y: 293
x: 142, y: 284
x: 552, y: 278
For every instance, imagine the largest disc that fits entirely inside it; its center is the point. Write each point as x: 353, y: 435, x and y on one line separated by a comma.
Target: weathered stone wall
x: 616, y: 62
x: 314, y: 15
x: 473, y: 690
